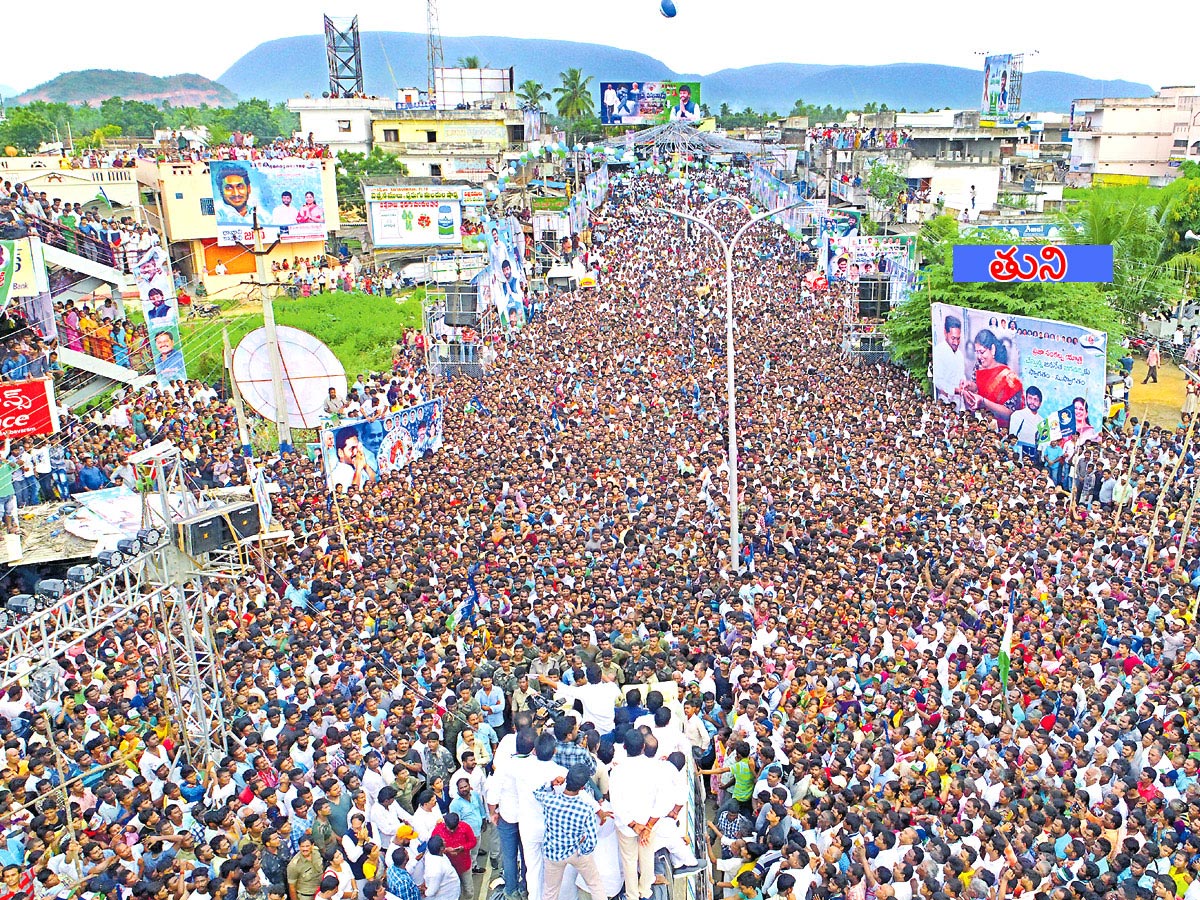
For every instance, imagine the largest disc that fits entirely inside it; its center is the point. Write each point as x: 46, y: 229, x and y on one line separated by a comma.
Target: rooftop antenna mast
x: 434, y: 40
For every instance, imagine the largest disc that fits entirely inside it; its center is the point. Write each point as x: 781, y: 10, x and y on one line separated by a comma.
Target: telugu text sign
x: 1013, y: 263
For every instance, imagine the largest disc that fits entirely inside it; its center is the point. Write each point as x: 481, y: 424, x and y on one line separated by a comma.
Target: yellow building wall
x: 452, y: 131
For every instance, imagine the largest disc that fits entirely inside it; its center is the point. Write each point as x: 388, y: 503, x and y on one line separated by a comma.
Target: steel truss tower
x: 433, y: 34
x: 159, y: 593
x: 343, y: 50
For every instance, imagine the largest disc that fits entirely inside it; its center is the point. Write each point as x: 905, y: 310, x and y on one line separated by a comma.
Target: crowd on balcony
x: 243, y: 146
x: 108, y: 240
x: 848, y: 138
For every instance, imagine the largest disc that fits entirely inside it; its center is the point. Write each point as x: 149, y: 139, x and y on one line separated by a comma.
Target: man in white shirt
x: 949, y: 366
x: 285, y: 212
x: 503, y: 801
x: 530, y: 773
x: 598, y: 697
x: 637, y: 802
x: 1023, y: 424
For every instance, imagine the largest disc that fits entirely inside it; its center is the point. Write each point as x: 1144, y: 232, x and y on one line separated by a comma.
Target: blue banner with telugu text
x: 1046, y: 263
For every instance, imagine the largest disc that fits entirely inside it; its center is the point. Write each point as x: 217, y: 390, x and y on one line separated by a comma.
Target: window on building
x: 206, y: 206
x: 344, y: 126
x: 516, y: 134
x: 435, y: 170
x: 431, y: 137
x: 391, y: 135
x: 1180, y: 142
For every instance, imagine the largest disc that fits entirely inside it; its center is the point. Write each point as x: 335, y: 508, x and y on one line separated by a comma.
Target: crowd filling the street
x: 515, y: 667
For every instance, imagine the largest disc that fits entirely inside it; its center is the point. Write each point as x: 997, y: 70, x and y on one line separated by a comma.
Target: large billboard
x: 286, y: 194
x: 1042, y: 381
x: 850, y: 258
x: 358, y: 453
x: 649, y: 102
x: 997, y: 85
x: 412, y: 215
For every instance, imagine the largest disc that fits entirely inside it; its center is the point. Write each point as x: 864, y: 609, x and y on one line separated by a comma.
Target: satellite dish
x: 309, y: 370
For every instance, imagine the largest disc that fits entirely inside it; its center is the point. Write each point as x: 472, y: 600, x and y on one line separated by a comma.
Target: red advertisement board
x: 27, y: 408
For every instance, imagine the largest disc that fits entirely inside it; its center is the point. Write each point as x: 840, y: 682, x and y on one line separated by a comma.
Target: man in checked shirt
x: 572, y: 825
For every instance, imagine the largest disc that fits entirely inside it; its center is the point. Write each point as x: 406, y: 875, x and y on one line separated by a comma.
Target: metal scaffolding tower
x: 344, y: 53
x: 157, y: 591
x: 433, y: 33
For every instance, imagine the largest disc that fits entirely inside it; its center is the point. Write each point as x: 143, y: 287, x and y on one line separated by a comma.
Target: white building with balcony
x: 1134, y: 140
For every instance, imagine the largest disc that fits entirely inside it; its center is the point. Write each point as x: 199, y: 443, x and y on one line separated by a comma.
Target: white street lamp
x: 730, y: 387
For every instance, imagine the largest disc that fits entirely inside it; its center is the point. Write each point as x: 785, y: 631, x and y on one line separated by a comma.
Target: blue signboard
x: 1050, y: 263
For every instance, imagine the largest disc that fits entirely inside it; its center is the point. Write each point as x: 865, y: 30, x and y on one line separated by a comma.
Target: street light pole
x: 730, y: 386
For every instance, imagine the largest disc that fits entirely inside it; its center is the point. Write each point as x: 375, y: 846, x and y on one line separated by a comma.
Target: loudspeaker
x: 871, y: 343
x: 203, y: 533
x: 211, y: 529
x: 873, y: 297
x: 245, y: 519
x: 462, y: 305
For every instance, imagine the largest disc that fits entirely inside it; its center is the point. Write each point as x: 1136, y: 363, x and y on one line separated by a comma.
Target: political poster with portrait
x: 286, y: 195
x: 505, y: 274
x: 649, y: 102
x: 360, y: 452
x: 474, y: 214
x: 1041, y: 381
x: 997, y: 85
x: 595, y: 187
x: 156, y: 288
x: 852, y: 257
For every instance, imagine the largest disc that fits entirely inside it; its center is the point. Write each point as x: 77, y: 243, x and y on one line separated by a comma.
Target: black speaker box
x: 203, y: 533
x: 462, y: 305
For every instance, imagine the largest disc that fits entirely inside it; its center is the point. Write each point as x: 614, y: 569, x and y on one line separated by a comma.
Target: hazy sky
x: 705, y: 36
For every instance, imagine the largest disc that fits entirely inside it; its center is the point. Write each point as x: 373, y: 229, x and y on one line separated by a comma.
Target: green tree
x: 910, y: 325
x: 470, y: 62
x: 25, y: 129
x: 1129, y: 222
x: 884, y: 182
x: 532, y: 93
x: 1189, y: 169
x: 352, y: 168
x: 574, y: 95
x: 1180, y: 214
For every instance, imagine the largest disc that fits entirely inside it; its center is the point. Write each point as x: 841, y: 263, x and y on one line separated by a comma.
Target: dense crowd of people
x: 847, y: 137
x: 838, y: 686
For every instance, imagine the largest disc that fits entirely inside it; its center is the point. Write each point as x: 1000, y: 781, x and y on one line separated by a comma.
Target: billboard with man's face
x: 1041, y: 381
x: 649, y: 102
x: 285, y: 195
x: 997, y: 85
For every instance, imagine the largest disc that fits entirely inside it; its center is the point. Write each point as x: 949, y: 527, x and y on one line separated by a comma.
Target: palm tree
x: 469, y: 62
x: 532, y: 93
x: 574, y: 96
x: 1132, y: 226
